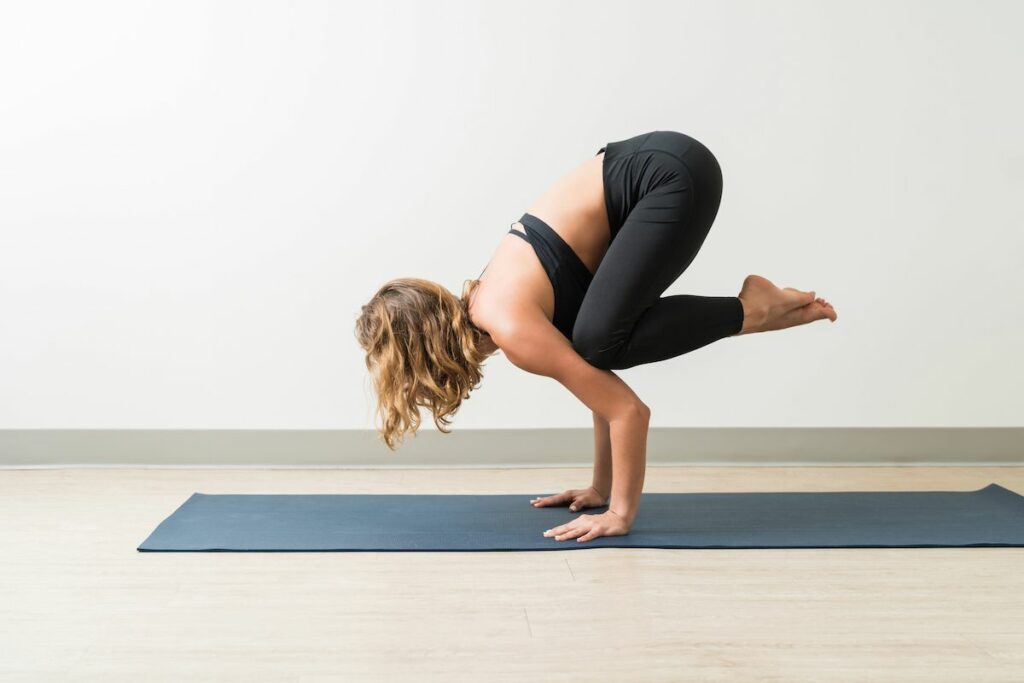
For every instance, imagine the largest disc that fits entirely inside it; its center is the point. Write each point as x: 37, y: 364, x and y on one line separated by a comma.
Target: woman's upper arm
x: 538, y: 347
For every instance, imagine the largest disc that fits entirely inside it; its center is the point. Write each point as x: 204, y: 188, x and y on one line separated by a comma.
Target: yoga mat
x: 991, y: 516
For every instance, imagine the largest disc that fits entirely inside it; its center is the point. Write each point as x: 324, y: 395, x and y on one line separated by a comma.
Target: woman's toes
x: 796, y: 298
x: 816, y: 309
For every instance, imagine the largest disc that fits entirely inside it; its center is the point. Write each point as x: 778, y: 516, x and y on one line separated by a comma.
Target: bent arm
x: 536, y: 346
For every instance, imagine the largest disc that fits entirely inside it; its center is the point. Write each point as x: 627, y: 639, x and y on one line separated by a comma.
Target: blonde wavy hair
x: 421, y: 350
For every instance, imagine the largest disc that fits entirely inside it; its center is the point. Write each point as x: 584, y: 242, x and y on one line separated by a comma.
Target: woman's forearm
x: 602, y: 456
x: 629, y: 463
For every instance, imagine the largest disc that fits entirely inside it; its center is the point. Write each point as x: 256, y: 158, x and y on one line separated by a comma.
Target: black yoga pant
x: 662, y: 191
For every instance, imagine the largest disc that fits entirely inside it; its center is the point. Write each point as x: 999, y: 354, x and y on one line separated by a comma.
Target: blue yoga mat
x: 991, y: 516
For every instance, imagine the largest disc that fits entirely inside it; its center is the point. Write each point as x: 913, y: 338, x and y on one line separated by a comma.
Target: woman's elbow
x: 635, y: 411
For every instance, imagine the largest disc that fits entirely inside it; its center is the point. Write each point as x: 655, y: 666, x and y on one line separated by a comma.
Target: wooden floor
x: 78, y: 603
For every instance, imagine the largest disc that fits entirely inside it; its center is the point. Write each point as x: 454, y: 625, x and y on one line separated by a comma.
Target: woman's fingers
x: 588, y: 527
x: 550, y: 500
x: 562, y: 528
x: 572, y: 533
x: 557, y: 499
x: 576, y: 498
x: 577, y: 527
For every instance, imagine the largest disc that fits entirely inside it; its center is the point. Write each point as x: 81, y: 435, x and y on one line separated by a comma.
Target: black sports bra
x: 569, y: 277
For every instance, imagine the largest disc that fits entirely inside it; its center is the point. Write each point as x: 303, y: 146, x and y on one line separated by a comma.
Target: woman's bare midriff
x: 574, y: 207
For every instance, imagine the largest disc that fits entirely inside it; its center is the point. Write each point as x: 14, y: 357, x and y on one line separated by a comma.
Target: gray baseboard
x: 488, y: 448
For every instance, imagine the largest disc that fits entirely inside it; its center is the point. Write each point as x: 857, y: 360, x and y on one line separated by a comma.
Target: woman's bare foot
x: 766, y: 307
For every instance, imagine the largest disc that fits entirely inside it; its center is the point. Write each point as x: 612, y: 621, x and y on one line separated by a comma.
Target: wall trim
x: 507, y: 448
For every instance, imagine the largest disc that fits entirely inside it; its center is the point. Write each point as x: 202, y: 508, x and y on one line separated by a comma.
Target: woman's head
x: 421, y: 350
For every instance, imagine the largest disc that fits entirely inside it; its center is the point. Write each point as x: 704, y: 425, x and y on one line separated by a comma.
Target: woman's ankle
x: 754, y: 317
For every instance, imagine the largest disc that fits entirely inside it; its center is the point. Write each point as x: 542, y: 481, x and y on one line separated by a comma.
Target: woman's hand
x: 576, y: 498
x: 586, y: 527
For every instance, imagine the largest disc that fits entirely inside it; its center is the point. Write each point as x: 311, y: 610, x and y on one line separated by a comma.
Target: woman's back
x: 514, y: 282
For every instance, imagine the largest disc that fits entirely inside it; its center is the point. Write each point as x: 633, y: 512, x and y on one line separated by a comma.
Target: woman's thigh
x: 657, y: 242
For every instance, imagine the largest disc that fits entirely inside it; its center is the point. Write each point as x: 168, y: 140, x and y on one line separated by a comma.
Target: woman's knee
x: 595, y: 343
x: 599, y: 359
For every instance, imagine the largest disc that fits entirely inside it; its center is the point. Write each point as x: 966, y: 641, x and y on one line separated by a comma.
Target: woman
x: 575, y: 294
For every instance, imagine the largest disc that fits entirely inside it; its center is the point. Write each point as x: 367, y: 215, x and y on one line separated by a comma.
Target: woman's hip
x: 672, y: 166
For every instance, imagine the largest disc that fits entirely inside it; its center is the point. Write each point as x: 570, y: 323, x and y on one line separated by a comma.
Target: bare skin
x: 514, y: 278
x: 767, y: 308
x: 514, y: 284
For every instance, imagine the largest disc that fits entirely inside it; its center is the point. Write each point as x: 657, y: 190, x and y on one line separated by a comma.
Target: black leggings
x: 662, y: 191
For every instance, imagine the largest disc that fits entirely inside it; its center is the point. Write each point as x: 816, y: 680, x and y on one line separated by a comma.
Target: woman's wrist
x: 624, y: 516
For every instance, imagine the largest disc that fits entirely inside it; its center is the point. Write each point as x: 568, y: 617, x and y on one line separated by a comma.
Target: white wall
x: 195, y: 199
